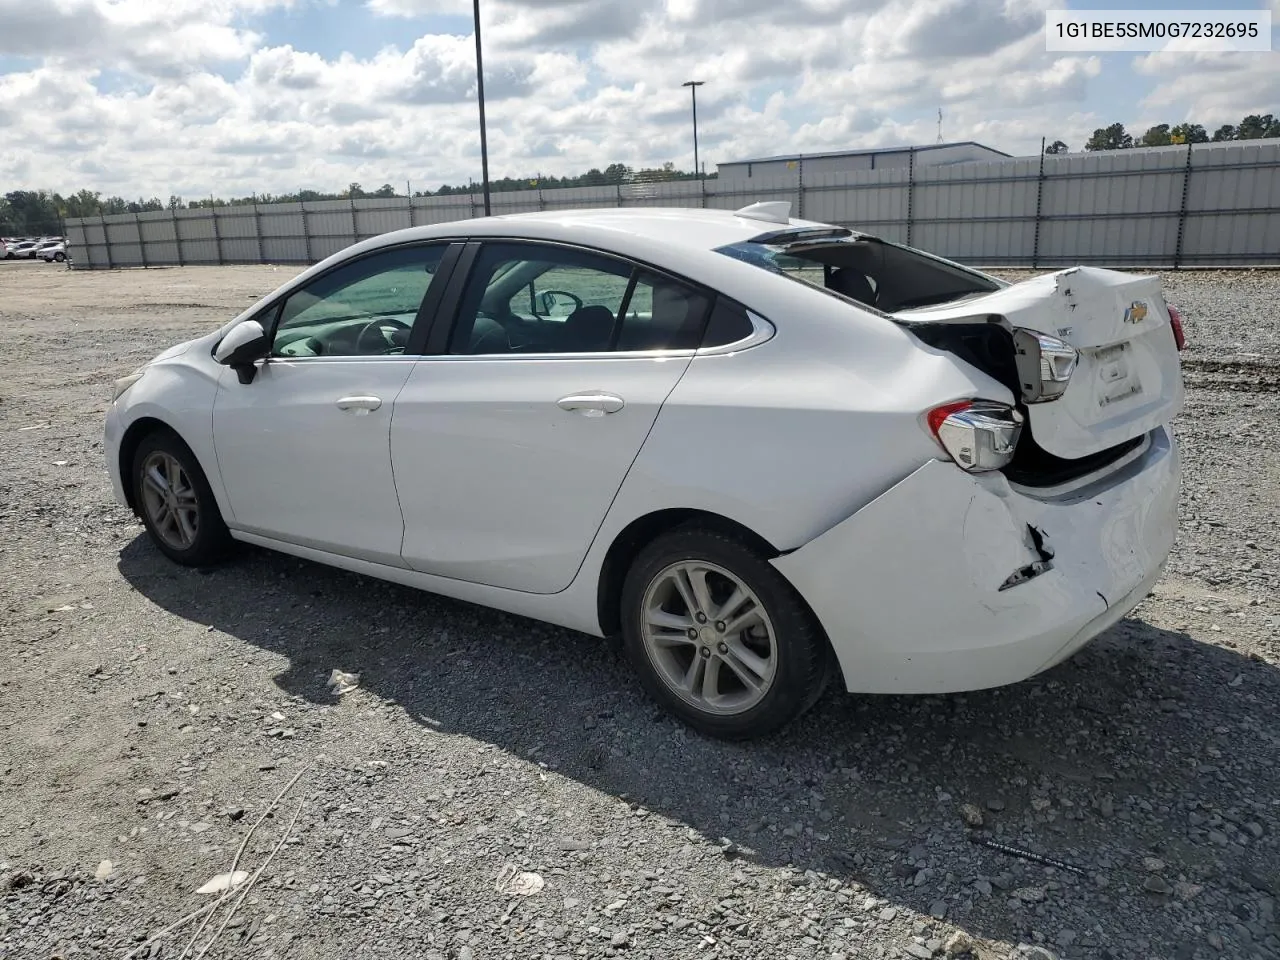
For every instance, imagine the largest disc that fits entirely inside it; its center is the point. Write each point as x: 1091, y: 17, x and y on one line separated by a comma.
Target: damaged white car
x: 769, y: 453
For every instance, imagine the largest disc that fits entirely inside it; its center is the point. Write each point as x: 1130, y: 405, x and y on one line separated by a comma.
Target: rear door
x: 1127, y: 380
x: 510, y: 443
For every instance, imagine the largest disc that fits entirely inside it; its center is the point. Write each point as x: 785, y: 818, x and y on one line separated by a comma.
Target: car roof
x: 682, y: 240
x: 610, y: 227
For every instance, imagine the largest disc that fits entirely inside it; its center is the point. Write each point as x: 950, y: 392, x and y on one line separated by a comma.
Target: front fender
x: 178, y: 392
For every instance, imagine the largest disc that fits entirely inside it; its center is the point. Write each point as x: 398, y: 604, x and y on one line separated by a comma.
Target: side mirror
x: 548, y: 303
x: 241, y: 347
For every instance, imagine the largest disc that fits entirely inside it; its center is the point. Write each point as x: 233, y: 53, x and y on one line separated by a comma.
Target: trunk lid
x: 1127, y: 379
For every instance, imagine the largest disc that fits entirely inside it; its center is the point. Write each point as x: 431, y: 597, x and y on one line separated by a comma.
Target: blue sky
x: 140, y: 97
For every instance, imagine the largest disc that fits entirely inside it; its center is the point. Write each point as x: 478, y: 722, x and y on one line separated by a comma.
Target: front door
x: 509, y: 448
x: 303, y: 450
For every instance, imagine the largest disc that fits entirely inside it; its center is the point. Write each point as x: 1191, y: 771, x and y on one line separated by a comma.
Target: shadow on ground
x: 1098, y: 763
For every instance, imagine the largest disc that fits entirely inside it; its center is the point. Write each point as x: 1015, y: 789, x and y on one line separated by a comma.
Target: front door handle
x: 359, y: 406
x: 594, y: 404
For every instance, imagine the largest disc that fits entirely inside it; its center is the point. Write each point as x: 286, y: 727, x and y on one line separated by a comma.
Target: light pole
x: 484, y: 138
x: 693, y: 86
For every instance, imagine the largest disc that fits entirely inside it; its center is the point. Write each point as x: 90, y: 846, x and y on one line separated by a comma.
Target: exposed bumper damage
x: 950, y: 581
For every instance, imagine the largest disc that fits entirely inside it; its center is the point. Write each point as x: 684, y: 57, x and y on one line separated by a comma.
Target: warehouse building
x: 934, y: 154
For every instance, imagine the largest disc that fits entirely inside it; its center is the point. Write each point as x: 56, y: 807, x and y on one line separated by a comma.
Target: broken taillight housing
x: 1175, y: 321
x: 978, y: 435
x: 1045, y: 365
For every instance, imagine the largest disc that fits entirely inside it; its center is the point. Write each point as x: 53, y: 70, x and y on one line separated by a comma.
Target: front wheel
x: 719, y: 637
x: 176, y: 503
x: 60, y: 257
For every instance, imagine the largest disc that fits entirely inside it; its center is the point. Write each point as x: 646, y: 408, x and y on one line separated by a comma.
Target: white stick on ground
x: 251, y: 881
x: 194, y: 914
x: 239, y: 853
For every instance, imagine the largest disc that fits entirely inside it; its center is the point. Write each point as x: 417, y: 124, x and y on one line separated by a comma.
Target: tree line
x: 1116, y: 137
x: 41, y: 212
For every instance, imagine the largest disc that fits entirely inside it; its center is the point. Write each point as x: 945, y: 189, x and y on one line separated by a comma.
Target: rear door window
x: 531, y: 298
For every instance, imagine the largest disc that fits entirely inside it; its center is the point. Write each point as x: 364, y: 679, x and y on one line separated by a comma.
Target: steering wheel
x: 577, y: 300
x: 380, y: 324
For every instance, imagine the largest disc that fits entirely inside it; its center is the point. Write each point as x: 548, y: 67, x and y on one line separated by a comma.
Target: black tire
x: 60, y: 257
x: 803, y: 654
x: 211, y: 541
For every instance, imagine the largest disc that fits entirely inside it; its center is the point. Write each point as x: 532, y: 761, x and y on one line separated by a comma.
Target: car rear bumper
x: 909, y: 587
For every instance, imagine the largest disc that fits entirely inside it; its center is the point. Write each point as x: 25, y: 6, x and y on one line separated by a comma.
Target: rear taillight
x: 978, y: 435
x: 1044, y: 363
x: 1175, y: 321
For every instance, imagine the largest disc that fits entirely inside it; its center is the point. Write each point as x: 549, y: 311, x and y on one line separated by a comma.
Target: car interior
x: 519, y: 314
x: 891, y: 278
x: 528, y: 306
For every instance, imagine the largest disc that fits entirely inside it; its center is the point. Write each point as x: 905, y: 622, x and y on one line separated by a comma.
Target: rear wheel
x: 176, y: 503
x: 60, y: 256
x: 719, y: 637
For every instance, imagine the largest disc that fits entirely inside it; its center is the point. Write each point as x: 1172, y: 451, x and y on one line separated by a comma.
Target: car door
x: 303, y: 450
x: 511, y: 441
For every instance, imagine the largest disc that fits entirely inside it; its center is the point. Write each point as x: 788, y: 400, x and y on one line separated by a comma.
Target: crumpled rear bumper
x: 909, y: 592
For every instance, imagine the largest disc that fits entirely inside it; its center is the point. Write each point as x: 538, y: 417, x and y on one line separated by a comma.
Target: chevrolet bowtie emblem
x: 1137, y: 312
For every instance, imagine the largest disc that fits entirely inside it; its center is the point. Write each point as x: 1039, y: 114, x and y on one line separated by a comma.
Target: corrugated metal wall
x: 1207, y: 205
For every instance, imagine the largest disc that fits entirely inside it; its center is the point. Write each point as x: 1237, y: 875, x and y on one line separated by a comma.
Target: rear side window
x: 729, y: 323
x: 532, y: 298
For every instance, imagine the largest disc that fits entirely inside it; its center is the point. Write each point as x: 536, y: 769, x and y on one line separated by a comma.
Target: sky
x: 142, y: 98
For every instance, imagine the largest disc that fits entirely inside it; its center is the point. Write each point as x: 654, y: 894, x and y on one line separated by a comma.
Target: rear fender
x: 895, y: 582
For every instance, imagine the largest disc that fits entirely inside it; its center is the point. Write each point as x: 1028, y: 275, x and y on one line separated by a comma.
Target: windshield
x: 872, y: 272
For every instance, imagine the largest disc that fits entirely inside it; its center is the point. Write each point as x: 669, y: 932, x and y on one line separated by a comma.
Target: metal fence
x: 1201, y: 205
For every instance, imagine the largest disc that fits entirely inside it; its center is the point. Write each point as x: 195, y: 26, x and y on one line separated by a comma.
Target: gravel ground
x: 498, y: 788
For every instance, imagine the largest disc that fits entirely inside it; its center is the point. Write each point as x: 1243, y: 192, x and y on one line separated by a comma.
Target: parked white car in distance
x: 768, y: 452
x: 52, y: 251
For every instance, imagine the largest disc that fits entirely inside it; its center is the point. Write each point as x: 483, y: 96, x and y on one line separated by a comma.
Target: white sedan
x: 767, y: 452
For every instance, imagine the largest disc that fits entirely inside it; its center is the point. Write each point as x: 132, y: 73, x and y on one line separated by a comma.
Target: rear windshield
x: 872, y: 272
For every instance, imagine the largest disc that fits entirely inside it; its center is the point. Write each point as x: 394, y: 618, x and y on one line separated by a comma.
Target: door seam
x: 614, y: 499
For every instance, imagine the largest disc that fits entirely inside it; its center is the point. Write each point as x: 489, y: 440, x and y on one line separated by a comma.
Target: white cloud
x: 149, y: 97
x: 1211, y: 88
x: 149, y: 36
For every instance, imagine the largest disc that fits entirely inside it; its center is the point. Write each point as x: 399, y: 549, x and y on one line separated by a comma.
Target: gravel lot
x: 150, y: 714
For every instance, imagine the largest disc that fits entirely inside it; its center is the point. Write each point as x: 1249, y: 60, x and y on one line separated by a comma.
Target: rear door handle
x: 360, y: 406
x: 593, y: 404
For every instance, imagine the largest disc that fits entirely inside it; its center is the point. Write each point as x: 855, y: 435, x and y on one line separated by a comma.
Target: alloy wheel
x: 170, y: 500
x: 709, y: 637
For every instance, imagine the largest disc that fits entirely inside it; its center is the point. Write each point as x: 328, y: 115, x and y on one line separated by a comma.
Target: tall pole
x: 484, y: 138
x: 693, y: 86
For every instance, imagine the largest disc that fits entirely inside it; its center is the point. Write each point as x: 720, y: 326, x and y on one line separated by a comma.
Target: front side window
x: 532, y: 298
x: 363, y: 308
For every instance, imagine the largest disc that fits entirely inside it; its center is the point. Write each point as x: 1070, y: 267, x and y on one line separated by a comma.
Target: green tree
x: 355, y: 191
x: 1114, y: 137
x: 386, y: 190
x: 1188, y: 133
x: 31, y: 212
x: 1157, y: 136
x: 1255, y: 127
x: 1057, y: 147
x: 1225, y: 132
